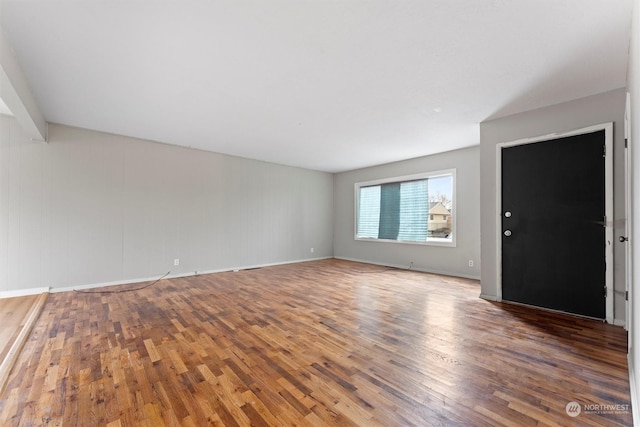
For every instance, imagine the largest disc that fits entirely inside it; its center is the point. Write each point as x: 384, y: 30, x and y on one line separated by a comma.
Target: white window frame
x: 431, y: 241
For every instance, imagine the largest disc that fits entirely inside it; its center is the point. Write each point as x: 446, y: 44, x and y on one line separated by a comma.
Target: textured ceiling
x: 326, y: 85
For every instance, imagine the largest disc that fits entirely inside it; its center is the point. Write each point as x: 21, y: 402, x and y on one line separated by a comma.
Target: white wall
x: 93, y: 208
x: 596, y: 109
x: 438, y: 259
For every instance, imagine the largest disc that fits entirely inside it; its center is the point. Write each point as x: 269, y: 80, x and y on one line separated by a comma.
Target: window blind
x: 394, y: 211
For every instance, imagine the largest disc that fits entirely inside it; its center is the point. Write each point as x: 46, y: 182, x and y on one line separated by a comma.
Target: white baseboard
x: 633, y: 384
x: 405, y: 267
x: 104, y: 284
x: 23, y: 292
x: 619, y: 322
x: 177, y: 275
x: 489, y: 297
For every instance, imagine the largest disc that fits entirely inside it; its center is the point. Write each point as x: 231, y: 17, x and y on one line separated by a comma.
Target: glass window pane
x: 417, y: 208
x: 413, y: 211
x: 368, y: 212
x: 440, y: 207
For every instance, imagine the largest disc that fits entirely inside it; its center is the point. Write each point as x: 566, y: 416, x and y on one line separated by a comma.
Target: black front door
x: 553, y: 234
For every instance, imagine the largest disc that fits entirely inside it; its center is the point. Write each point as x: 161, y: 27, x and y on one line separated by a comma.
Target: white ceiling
x: 327, y: 85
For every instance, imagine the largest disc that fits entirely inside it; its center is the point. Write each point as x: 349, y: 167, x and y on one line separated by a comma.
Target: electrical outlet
x: 470, y: 263
x: 312, y: 250
x: 176, y: 261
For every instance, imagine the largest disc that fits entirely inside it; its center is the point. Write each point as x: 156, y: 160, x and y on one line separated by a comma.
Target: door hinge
x: 626, y: 295
x: 605, y: 291
x: 626, y: 142
x: 604, y: 151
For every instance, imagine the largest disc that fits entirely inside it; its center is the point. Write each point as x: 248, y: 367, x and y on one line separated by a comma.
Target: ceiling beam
x: 16, y: 94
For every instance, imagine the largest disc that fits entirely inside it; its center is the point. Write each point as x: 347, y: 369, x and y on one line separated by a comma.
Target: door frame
x: 608, y: 171
x: 628, y: 228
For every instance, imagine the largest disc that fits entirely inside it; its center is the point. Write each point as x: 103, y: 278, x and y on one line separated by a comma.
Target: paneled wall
x: 91, y: 208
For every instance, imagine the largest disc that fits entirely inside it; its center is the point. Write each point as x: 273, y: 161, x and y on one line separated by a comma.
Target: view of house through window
x: 414, y: 209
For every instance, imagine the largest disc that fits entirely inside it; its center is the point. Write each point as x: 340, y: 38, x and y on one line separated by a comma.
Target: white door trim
x: 628, y: 227
x: 609, y: 241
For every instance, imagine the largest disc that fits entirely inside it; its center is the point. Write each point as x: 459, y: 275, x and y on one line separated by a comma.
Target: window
x: 410, y: 209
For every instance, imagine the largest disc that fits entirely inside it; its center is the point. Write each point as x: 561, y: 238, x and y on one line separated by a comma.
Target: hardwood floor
x: 17, y: 316
x: 12, y: 314
x: 320, y: 343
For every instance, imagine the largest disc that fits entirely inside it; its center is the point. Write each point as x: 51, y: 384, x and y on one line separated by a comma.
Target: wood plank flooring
x: 13, y: 311
x: 17, y: 317
x: 323, y: 343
